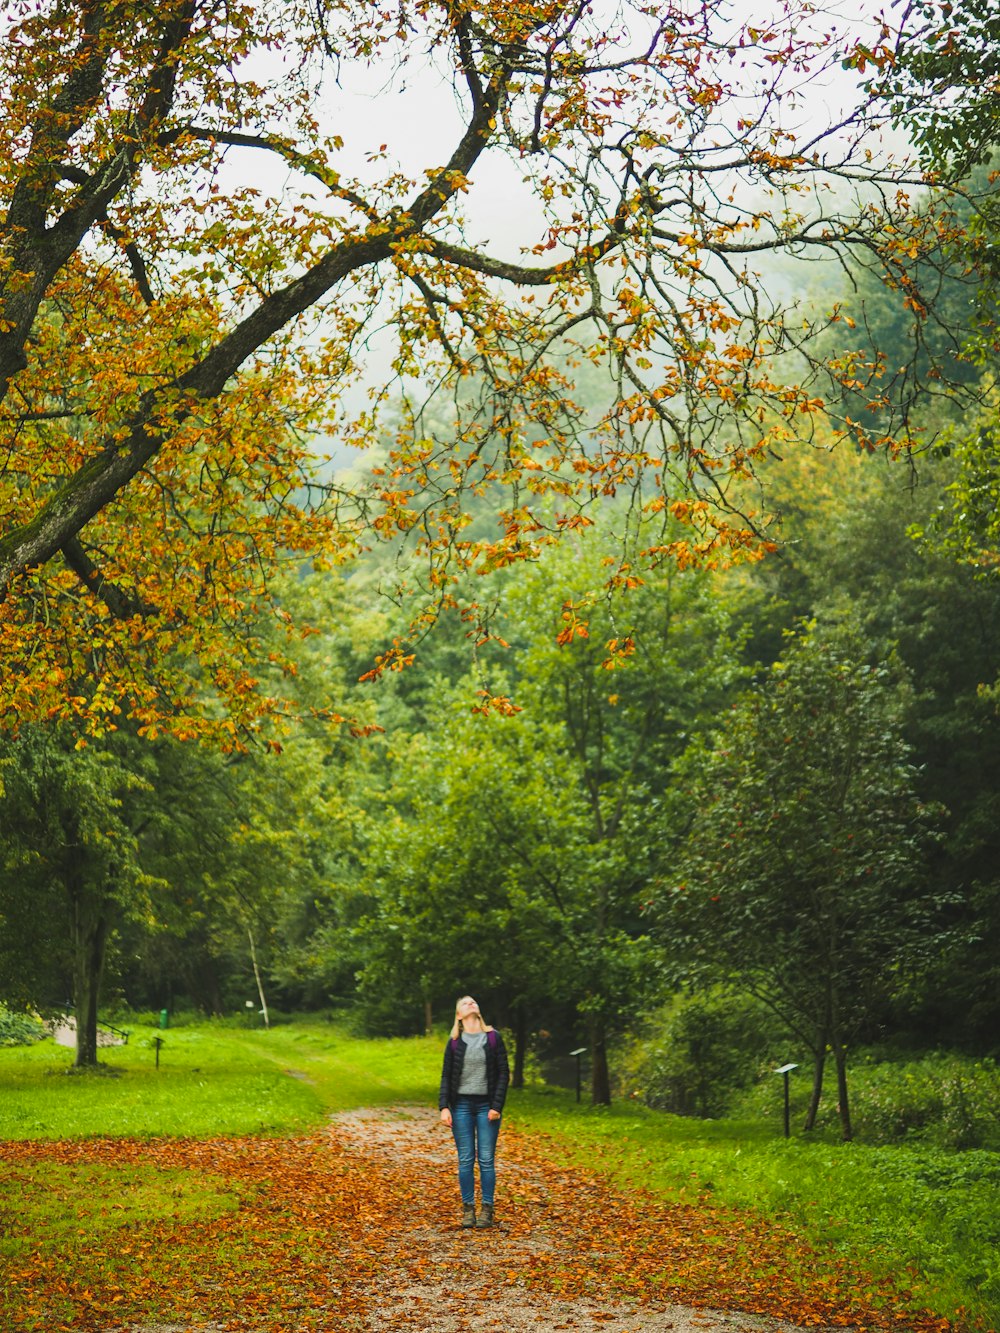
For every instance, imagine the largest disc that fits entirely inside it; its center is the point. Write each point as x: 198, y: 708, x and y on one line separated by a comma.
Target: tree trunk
x: 819, y: 1063
x: 843, y: 1104
x: 90, y: 933
x: 600, y: 1081
x: 428, y: 1018
x: 257, y: 976
x: 520, y: 1046
x: 204, y: 985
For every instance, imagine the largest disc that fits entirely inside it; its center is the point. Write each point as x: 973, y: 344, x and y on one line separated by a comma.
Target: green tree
x: 966, y: 527
x: 231, y: 839
x: 871, y: 540
x: 628, y: 679
x: 258, y: 847
x: 802, y: 879
x: 68, y: 843
x: 537, y: 829
x: 471, y: 870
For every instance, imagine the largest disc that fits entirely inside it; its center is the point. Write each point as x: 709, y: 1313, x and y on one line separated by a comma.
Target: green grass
x: 64, y: 1202
x: 930, y: 1213
x: 210, y: 1080
x: 889, y: 1208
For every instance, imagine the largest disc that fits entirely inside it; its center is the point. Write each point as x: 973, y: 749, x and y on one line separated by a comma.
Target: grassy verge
x: 64, y: 1201
x: 929, y: 1213
x: 929, y: 1217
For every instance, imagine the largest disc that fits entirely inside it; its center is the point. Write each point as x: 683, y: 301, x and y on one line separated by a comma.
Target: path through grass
x: 893, y: 1211
x: 210, y: 1080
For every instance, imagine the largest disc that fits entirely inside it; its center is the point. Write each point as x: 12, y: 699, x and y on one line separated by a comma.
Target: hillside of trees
x: 647, y: 663
x: 780, y: 778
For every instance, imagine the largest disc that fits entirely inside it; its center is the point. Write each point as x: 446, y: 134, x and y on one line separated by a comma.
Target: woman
x: 473, y: 1088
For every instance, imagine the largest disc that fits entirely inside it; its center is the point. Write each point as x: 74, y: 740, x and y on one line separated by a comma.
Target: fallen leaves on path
x: 356, y: 1229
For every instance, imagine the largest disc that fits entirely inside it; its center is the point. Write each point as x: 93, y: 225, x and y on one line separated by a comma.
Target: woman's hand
x: 492, y: 1115
x: 446, y: 1117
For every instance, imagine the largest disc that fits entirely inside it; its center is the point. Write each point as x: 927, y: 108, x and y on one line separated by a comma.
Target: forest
x: 629, y: 659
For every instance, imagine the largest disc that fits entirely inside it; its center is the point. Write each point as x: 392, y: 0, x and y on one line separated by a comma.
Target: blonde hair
x: 456, y: 1027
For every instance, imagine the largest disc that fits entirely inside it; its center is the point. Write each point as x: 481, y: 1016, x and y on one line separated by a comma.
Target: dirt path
x: 444, y: 1279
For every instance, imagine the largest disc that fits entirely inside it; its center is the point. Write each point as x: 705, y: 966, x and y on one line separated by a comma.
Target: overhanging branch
x: 122, y: 605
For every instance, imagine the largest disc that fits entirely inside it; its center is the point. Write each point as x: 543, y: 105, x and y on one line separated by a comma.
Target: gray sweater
x: 473, y: 1077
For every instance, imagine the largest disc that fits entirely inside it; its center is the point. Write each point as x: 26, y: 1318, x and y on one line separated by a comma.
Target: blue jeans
x: 475, y: 1137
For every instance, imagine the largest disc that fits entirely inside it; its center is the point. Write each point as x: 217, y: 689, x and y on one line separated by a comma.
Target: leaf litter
x: 356, y: 1229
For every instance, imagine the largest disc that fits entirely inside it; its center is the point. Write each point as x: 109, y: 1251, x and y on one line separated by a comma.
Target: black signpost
x: 581, y: 1050
x: 786, y: 1070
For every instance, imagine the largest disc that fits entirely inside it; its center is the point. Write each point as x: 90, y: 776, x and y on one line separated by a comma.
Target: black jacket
x: 497, y: 1072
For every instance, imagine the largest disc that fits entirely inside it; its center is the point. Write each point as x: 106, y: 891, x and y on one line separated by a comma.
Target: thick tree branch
x: 56, y: 125
x: 464, y: 30
x: 37, y: 252
x: 129, y: 248
x: 84, y: 494
x: 121, y: 604
x: 475, y: 262
x: 327, y: 177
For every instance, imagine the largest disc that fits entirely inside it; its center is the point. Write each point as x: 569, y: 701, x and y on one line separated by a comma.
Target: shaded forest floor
x: 356, y: 1229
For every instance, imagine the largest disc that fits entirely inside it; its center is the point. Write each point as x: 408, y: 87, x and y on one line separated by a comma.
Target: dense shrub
x: 944, y: 1101
x: 950, y: 1101
x: 698, y: 1051
x: 19, y: 1029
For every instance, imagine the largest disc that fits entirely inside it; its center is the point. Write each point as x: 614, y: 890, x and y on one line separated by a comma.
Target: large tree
x: 173, y: 332
x: 628, y: 679
x: 870, y: 539
x: 69, y: 868
x: 514, y: 850
x: 802, y: 879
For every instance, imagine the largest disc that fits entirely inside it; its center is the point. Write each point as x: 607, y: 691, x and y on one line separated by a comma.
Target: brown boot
x: 485, y: 1218
x: 468, y: 1215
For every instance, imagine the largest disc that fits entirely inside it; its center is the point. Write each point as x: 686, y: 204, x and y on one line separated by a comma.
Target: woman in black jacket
x: 474, y: 1081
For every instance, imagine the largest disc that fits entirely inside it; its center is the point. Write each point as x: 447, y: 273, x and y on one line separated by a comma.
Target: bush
x: 948, y: 1101
x: 699, y: 1051
x: 19, y: 1029
x: 943, y: 1101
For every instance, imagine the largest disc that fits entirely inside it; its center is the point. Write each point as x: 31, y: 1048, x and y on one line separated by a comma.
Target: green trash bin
x: 164, y: 1018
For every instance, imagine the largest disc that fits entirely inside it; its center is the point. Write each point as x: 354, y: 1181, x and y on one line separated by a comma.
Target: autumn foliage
x: 198, y: 243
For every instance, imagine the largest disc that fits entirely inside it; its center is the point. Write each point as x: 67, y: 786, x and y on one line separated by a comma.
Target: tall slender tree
x: 67, y: 842
x: 803, y: 878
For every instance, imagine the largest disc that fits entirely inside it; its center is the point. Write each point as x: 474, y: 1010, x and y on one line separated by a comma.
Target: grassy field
x: 210, y: 1080
x: 932, y: 1213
